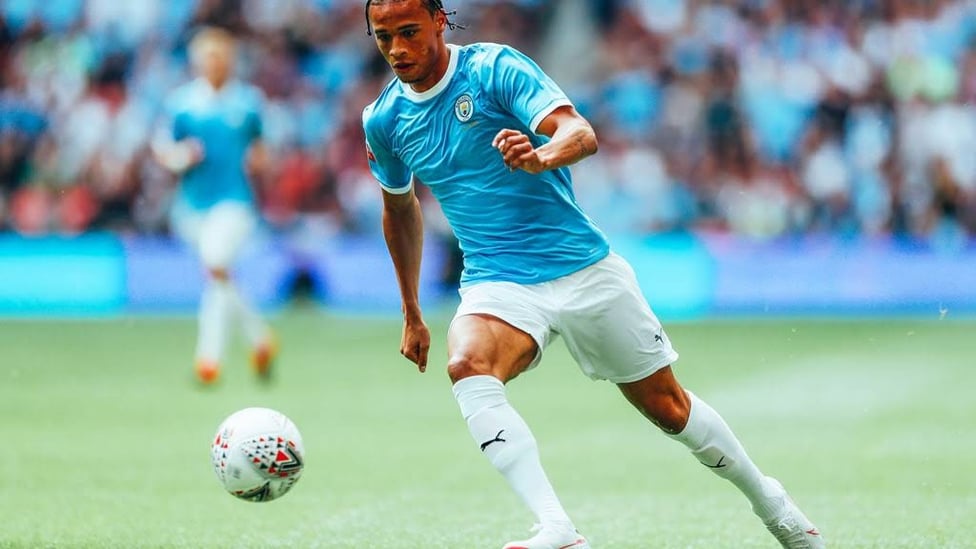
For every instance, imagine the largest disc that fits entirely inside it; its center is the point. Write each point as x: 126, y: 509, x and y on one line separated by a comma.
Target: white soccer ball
x: 257, y: 454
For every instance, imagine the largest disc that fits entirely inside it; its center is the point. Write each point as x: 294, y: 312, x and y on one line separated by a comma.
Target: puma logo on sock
x: 498, y: 438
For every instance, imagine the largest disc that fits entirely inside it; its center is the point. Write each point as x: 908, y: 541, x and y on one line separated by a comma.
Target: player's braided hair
x: 433, y: 6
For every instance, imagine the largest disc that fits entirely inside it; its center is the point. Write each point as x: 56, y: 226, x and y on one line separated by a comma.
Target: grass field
x: 871, y: 424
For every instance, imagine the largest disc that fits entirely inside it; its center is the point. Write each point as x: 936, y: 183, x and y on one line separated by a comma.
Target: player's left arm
x: 403, y: 228
x: 572, y: 139
x: 257, y: 161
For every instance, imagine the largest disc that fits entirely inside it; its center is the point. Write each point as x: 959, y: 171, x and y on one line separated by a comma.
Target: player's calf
x: 660, y: 399
x: 263, y: 357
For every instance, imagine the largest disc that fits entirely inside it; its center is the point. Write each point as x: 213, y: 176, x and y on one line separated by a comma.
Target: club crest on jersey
x: 464, y: 108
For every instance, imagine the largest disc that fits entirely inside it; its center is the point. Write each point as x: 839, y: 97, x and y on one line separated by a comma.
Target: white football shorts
x: 599, y: 311
x: 217, y: 234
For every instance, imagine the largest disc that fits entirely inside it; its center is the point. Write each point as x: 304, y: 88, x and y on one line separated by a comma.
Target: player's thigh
x: 500, y: 329
x: 224, y: 232
x: 187, y: 224
x: 609, y: 327
x: 481, y: 344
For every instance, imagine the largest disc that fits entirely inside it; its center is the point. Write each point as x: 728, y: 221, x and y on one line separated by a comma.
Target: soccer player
x: 213, y: 140
x: 493, y: 136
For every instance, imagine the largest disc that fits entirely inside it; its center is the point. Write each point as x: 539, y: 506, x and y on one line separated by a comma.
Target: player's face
x: 216, y: 61
x: 411, y: 40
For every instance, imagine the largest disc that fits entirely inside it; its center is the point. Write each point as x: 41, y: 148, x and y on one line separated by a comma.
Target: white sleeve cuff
x: 537, y: 120
x: 398, y: 190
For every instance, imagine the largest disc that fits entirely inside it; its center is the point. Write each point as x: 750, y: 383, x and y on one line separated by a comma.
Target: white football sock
x: 214, y: 322
x: 255, y: 329
x: 712, y: 442
x: 507, y: 442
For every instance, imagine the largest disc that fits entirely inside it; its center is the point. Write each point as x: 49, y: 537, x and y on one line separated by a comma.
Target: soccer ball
x: 257, y: 454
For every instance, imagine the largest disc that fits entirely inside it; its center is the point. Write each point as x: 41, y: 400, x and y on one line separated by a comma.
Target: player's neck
x: 440, y: 69
x: 217, y: 84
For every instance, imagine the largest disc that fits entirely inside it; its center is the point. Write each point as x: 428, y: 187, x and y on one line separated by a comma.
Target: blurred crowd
x: 762, y: 118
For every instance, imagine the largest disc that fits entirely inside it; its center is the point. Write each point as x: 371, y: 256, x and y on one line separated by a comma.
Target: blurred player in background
x: 535, y: 265
x: 212, y: 140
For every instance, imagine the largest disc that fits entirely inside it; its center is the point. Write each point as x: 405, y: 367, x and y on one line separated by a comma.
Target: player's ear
x: 440, y: 21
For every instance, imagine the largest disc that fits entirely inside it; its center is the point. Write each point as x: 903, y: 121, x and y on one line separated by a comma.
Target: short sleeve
x: 255, y: 119
x: 257, y: 127
x: 178, y: 127
x: 392, y: 174
x: 176, y: 120
x: 523, y: 89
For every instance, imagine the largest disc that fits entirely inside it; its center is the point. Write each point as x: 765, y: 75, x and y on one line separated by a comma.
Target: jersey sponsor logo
x: 369, y: 153
x: 464, y: 108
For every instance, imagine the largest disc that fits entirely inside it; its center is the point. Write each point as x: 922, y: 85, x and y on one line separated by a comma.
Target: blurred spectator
x: 759, y: 117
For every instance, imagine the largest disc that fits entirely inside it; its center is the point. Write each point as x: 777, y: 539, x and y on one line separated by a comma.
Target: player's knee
x: 218, y: 273
x: 462, y: 366
x: 669, y: 412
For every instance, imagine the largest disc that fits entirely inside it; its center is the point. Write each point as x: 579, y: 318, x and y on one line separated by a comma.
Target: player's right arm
x: 403, y: 228
x: 172, y: 145
x: 177, y: 156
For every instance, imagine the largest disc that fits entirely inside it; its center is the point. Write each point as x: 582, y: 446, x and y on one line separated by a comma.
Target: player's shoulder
x: 490, y: 62
x: 183, y: 92
x: 248, y: 92
x: 243, y: 95
x: 485, y: 54
x: 383, y: 106
x: 182, y: 97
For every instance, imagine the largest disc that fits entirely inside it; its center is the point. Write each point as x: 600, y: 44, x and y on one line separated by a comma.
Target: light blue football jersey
x: 511, y: 225
x: 225, y: 122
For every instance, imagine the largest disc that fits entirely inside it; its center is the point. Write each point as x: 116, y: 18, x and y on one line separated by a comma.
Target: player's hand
x: 517, y: 151
x: 194, y: 151
x: 178, y: 156
x: 416, y: 343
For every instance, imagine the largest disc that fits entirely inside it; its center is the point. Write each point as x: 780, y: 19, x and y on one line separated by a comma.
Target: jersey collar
x: 441, y: 84
x: 209, y: 92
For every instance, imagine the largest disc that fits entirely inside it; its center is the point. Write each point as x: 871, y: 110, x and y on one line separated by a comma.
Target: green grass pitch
x: 870, y: 424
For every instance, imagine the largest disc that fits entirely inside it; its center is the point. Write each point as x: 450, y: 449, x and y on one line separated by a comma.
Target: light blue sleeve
x: 176, y: 117
x: 523, y: 89
x: 393, y: 175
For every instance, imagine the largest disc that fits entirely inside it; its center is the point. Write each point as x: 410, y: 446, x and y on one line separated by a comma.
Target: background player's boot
x: 791, y: 527
x: 551, y: 537
x: 207, y: 371
x: 263, y: 357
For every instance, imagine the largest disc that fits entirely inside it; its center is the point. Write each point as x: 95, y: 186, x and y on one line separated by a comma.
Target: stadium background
x: 756, y: 155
